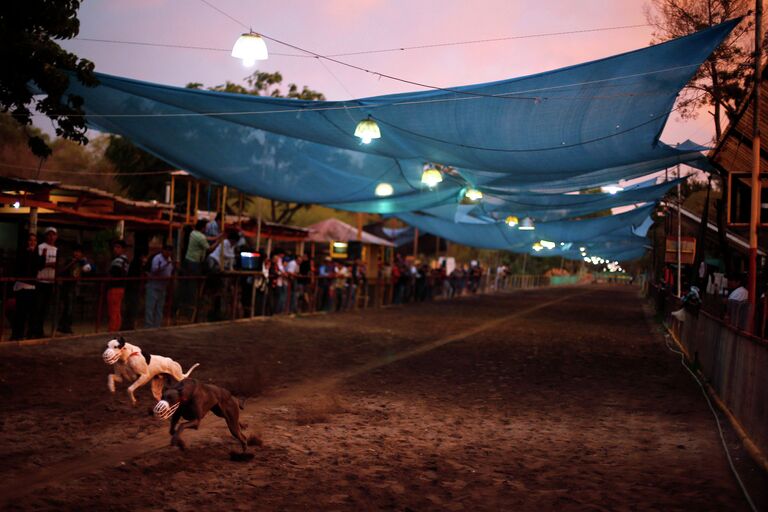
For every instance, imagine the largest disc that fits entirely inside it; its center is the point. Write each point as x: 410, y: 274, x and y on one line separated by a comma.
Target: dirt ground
x: 554, y: 399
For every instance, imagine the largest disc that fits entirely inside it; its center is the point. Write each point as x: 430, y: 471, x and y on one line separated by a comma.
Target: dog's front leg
x: 174, y: 421
x: 111, y: 379
x: 157, y: 387
x: 176, y: 439
x: 133, y: 387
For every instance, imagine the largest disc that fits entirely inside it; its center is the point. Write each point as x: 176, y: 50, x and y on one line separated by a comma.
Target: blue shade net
x: 525, y: 142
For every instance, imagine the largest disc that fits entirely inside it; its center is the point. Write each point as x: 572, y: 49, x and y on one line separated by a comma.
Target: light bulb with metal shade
x: 611, y: 189
x: 537, y: 247
x: 384, y: 190
x: 512, y: 221
x: 526, y: 224
x: 547, y: 244
x: 431, y: 177
x: 473, y: 194
x: 367, y: 130
x: 249, y: 48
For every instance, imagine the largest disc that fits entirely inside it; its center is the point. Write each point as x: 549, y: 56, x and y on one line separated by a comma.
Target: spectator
x: 116, y: 287
x: 303, y: 282
x: 46, y: 275
x: 292, y: 269
x: 324, y: 276
x: 341, y: 274
x: 77, y: 267
x: 160, y: 269
x: 197, y: 250
x: 24, y: 288
x: 133, y: 290
x: 279, y: 281
x: 212, y: 229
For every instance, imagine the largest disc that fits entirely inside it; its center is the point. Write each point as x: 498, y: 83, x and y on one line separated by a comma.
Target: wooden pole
x: 197, y: 198
x: 359, y: 218
x: 172, y: 202
x: 415, y: 242
x: 679, y: 237
x: 33, y: 219
x: 240, y: 209
x: 754, y: 218
x: 258, y: 226
x: 189, y: 198
x: 223, y: 207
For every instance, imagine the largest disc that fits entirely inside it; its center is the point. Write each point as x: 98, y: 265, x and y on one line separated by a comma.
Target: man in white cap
x: 46, y: 252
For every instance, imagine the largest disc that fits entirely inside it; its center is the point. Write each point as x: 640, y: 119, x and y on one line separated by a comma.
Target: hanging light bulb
x: 547, y: 244
x: 17, y: 205
x: 537, y: 247
x: 512, y: 221
x: 250, y: 47
x: 526, y: 224
x: 611, y: 189
x: 367, y: 130
x: 431, y: 177
x: 473, y: 194
x: 384, y: 190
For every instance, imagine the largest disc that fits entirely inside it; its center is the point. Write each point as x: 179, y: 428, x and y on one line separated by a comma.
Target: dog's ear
x: 120, y: 342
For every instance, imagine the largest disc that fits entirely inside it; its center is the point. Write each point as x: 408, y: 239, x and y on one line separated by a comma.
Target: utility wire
x: 375, y: 51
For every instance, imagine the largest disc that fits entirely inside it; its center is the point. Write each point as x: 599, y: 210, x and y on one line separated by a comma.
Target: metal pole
x: 359, y: 218
x: 679, y: 236
x: 258, y: 227
x: 754, y: 218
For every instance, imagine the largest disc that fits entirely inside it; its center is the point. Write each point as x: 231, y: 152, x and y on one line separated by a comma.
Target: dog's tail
x: 190, y: 370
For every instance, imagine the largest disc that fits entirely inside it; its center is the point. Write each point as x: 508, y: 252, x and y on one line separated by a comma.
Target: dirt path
x: 538, y: 400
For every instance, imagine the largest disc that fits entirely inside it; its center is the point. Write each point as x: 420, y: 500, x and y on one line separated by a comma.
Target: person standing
x: 78, y: 267
x: 116, y: 287
x: 24, y: 287
x: 292, y: 273
x: 160, y: 269
x: 46, y: 276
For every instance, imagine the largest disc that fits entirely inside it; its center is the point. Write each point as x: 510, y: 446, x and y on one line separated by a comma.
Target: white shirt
x: 227, y: 259
x: 47, y: 274
x: 739, y: 294
x: 292, y: 267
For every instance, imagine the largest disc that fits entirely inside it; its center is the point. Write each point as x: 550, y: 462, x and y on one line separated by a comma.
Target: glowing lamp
x: 384, y: 190
x: 537, y: 247
x: 340, y: 245
x: 611, y: 189
x: 547, y: 244
x: 17, y: 205
x: 367, y: 130
x: 249, y: 48
x: 431, y: 177
x: 526, y: 224
x: 512, y: 221
x: 473, y: 194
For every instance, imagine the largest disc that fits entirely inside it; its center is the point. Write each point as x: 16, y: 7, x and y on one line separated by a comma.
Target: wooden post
x: 240, y: 210
x: 415, y: 242
x: 189, y: 198
x: 223, y: 207
x: 120, y: 229
x: 754, y: 218
x: 197, y: 199
x: 679, y: 240
x: 33, y: 219
x: 171, y: 202
x: 359, y: 218
x: 258, y: 226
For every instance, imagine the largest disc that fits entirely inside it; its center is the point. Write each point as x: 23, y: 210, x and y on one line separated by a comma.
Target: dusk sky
x: 339, y: 26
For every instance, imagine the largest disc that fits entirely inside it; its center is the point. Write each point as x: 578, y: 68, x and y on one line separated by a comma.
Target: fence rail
x: 82, y: 306
x: 733, y: 362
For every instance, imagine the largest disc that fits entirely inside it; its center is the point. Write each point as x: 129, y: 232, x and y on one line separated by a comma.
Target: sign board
x: 687, y: 250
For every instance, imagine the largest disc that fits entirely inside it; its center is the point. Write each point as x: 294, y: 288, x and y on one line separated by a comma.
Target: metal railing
x: 82, y: 306
x: 733, y: 362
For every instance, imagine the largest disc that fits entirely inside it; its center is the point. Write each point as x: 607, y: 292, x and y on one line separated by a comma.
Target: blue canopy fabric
x: 577, y: 127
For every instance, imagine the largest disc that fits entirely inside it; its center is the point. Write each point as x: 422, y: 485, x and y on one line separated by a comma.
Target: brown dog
x: 191, y: 399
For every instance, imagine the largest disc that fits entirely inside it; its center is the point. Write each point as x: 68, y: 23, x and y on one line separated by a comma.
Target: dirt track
x: 545, y: 400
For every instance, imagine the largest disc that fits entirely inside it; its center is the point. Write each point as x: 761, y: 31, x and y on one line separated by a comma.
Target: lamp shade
x: 431, y: 177
x: 384, y: 190
x: 526, y: 224
x: 473, y: 194
x: 512, y: 221
x: 367, y: 130
x: 250, y: 48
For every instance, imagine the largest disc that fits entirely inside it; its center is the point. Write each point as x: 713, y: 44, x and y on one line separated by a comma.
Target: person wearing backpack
x: 159, y: 269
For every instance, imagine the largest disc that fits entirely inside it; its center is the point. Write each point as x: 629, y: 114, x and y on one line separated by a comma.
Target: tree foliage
x: 33, y: 63
x: 128, y: 159
x: 722, y: 81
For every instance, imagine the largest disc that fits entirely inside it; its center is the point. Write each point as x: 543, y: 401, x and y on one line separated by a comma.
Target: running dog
x: 133, y: 364
x: 192, y: 400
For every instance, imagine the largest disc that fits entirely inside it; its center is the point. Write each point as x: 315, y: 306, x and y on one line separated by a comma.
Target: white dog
x: 131, y: 363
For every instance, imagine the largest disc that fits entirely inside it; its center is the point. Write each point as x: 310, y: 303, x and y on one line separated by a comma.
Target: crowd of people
x: 219, y: 276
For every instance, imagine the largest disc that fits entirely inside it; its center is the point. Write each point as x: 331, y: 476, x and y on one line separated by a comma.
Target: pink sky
x: 334, y: 26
